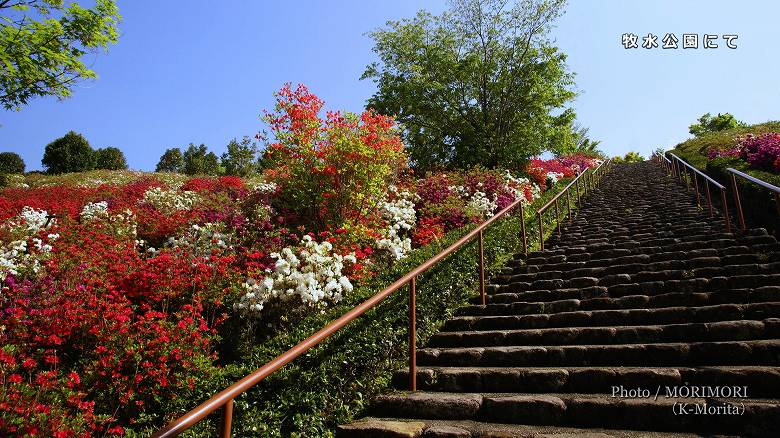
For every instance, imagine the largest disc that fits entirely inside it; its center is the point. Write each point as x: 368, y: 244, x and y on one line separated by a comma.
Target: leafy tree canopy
x: 11, y: 162
x: 110, y: 158
x: 630, y: 157
x: 240, y: 157
x: 43, y: 42
x: 709, y: 123
x: 171, y: 161
x: 479, y: 84
x: 199, y: 161
x: 69, y: 153
x: 583, y: 144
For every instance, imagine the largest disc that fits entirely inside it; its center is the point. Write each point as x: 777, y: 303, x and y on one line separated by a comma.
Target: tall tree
x: 240, y: 157
x: 171, y: 161
x: 199, y: 161
x: 584, y: 144
x: 110, y: 158
x: 479, y: 84
x: 11, y: 162
x: 43, y: 42
x: 69, y: 153
x: 709, y: 123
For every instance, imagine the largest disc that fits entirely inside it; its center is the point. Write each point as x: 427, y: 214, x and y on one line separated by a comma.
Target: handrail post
x: 227, y: 419
x: 577, y: 186
x: 726, y: 219
x: 696, y: 184
x: 482, y: 269
x: 522, y: 228
x: 557, y: 217
x: 413, y: 334
x: 541, y: 231
x: 737, y: 203
x: 568, y: 206
x: 709, y: 198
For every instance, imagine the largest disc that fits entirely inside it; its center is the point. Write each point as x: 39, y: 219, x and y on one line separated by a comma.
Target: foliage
x: 110, y: 158
x: 11, y: 162
x: 69, y: 153
x: 44, y: 42
x: 630, y: 157
x: 708, y: 123
x: 171, y: 160
x: 240, y: 157
x: 197, y: 160
x: 585, y: 145
x: 479, y: 84
x: 334, y: 382
x: 333, y: 170
x: 715, y: 151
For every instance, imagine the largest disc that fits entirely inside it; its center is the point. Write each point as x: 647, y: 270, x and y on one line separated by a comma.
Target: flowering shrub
x: 310, y: 273
x: 760, y: 151
x: 115, y: 289
x: 334, y: 169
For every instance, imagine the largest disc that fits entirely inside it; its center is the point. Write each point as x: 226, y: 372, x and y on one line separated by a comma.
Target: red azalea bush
x: 114, y: 299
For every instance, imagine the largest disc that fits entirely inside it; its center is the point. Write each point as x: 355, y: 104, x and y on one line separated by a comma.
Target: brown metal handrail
x: 589, y: 179
x: 772, y: 188
x: 685, y: 172
x: 224, y: 399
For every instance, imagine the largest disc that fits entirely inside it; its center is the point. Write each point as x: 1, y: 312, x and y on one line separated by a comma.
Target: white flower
x: 94, y: 210
x: 169, y: 201
x: 312, y: 272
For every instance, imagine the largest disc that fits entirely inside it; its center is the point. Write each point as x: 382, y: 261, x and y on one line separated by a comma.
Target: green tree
x: 11, y: 162
x: 69, y: 153
x: 584, y: 144
x: 199, y: 161
x: 43, y: 43
x: 110, y: 158
x: 708, y: 123
x: 240, y: 157
x: 171, y: 161
x: 630, y: 157
x: 479, y: 84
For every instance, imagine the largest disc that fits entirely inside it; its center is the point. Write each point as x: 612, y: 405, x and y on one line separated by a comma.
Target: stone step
x: 617, y: 317
x: 373, y: 427
x: 753, y: 352
x: 651, y: 256
x: 728, y: 415
x: 738, y: 330
x: 701, y: 281
x: 760, y: 381
x: 671, y: 299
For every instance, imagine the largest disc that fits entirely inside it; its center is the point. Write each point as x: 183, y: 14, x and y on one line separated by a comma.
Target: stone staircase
x: 643, y: 318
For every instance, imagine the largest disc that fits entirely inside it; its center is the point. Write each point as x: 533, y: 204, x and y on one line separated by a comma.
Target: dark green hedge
x: 333, y: 383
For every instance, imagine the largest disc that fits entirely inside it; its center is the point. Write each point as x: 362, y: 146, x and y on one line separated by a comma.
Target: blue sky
x: 193, y: 72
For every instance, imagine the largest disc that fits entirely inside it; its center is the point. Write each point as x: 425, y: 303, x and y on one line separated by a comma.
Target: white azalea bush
x: 201, y: 240
x: 170, y: 201
x: 123, y: 223
x: 29, y: 246
x: 309, y: 275
x: 401, y: 217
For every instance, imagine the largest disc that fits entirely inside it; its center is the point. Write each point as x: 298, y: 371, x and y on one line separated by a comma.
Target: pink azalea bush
x: 759, y: 151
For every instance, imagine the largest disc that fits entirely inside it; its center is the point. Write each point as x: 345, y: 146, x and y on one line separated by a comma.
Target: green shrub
x: 69, y: 153
x: 110, y: 158
x: 11, y: 162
